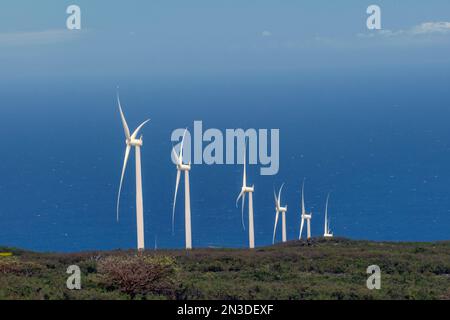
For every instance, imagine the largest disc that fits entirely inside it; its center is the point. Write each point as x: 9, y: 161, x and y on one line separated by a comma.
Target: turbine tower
x: 283, y: 210
x: 130, y: 142
x: 305, y: 216
x: 327, y: 232
x: 244, y: 190
x: 181, y: 167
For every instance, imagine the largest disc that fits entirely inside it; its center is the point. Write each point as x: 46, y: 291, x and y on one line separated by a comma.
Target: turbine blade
x: 301, y: 229
x: 124, y: 122
x: 275, y: 226
x: 175, y: 155
x: 277, y: 205
x: 181, y: 148
x: 127, y: 154
x: 279, y: 195
x: 239, y: 197
x: 303, y: 198
x: 243, y: 204
x: 175, y: 200
x: 136, y: 132
x: 244, y: 178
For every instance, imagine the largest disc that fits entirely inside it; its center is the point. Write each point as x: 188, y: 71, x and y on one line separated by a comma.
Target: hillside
x: 320, y: 269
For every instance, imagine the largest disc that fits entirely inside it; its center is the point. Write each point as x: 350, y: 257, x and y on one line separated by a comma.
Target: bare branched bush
x: 140, y: 275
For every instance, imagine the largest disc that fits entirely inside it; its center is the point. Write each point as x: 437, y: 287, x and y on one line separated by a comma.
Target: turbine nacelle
x: 248, y: 189
x: 281, y: 209
x: 183, y: 167
x: 134, y: 142
x: 307, y: 216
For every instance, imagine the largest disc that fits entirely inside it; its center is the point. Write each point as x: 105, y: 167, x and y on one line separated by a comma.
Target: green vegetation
x: 320, y: 269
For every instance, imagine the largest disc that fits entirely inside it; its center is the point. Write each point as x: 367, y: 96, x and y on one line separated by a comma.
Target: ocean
x: 378, y: 143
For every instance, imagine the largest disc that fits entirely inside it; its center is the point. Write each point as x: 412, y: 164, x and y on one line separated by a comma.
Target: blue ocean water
x: 379, y: 143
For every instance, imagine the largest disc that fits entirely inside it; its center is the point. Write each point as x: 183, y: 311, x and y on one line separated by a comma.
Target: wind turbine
x: 244, y: 190
x: 327, y: 232
x: 305, y: 216
x: 187, y: 199
x: 131, y: 141
x: 283, y: 210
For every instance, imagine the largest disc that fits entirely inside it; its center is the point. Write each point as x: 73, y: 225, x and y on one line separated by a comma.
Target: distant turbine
x: 327, y: 232
x: 278, y: 209
x: 187, y: 200
x: 305, y: 216
x: 131, y: 141
x: 249, y: 190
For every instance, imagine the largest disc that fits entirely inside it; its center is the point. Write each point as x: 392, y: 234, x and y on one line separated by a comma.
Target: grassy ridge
x: 320, y: 269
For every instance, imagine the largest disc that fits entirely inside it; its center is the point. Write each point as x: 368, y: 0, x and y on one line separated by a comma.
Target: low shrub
x: 140, y: 275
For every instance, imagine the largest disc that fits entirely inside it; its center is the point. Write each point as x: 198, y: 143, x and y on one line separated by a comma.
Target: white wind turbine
x: 278, y: 209
x: 187, y: 198
x: 305, y: 216
x: 244, y: 190
x: 327, y: 232
x: 131, y: 141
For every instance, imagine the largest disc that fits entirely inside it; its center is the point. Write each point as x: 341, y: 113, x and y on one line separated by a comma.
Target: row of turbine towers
x: 131, y: 141
x: 305, y: 216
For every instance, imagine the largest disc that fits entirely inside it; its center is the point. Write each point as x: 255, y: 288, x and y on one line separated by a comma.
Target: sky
x: 363, y: 114
x: 134, y: 39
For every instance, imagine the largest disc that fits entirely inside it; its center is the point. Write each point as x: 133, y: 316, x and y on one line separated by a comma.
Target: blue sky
x: 176, y: 38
